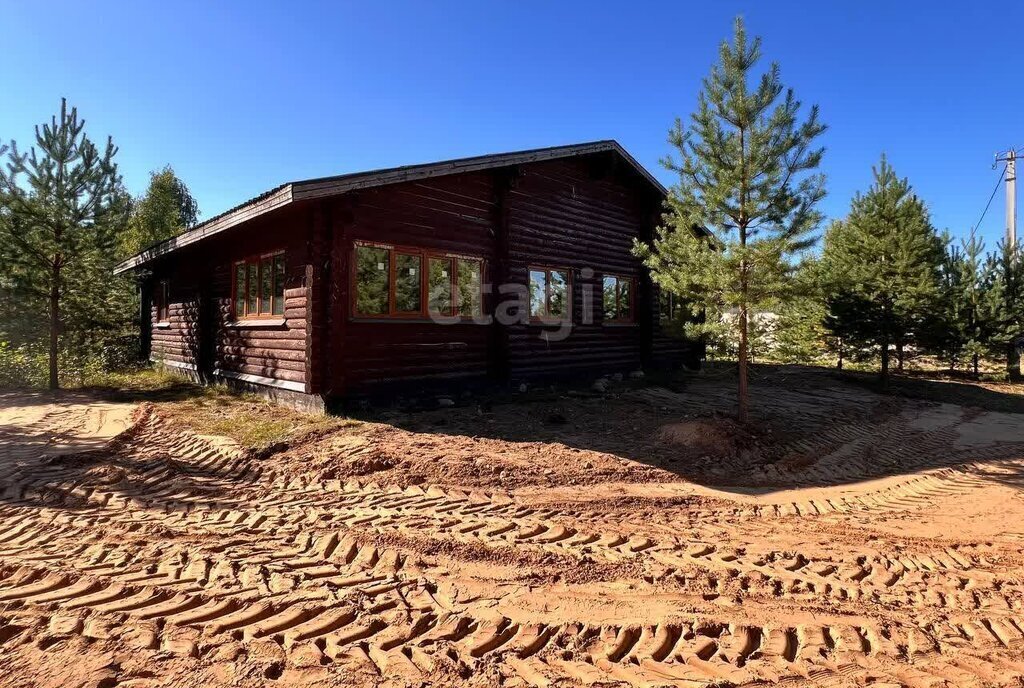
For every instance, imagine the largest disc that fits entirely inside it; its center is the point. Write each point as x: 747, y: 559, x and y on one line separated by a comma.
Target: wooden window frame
x: 547, y: 270
x: 163, y: 301
x: 425, y: 255
x: 257, y: 260
x: 619, y: 279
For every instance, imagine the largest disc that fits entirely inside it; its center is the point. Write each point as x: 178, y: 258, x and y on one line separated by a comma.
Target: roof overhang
x: 332, y: 186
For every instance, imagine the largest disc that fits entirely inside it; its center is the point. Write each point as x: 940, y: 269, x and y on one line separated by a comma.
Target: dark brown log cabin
x: 494, y: 269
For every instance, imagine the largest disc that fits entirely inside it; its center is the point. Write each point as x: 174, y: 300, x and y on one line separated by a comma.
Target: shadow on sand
x: 811, y: 427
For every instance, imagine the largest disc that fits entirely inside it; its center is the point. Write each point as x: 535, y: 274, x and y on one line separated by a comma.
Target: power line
x: 989, y: 204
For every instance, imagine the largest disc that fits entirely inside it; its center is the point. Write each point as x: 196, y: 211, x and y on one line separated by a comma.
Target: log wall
x: 581, y: 214
x: 175, y: 342
x: 275, y: 349
x: 448, y: 214
x: 251, y: 347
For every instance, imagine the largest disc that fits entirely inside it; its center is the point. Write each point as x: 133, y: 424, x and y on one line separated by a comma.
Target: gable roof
x: 322, y: 187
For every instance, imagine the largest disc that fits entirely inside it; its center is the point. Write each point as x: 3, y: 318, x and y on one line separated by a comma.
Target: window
x: 238, y: 287
x: 469, y: 279
x: 257, y: 286
x: 372, y: 271
x: 408, y: 283
x: 617, y: 298
x: 549, y: 294
x: 439, y: 285
x: 163, y: 301
x: 670, y: 308
x: 412, y: 282
x: 278, y: 306
x: 253, y: 291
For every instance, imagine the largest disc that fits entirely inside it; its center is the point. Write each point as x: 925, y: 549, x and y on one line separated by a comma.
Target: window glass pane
x: 408, y: 285
x: 439, y: 286
x: 162, y: 300
x: 625, y: 299
x: 252, y: 302
x: 278, y: 285
x: 558, y: 302
x: 469, y: 287
x: 608, y: 298
x: 266, y: 284
x: 239, y: 290
x: 372, y: 265
x: 664, y: 305
x: 538, y: 279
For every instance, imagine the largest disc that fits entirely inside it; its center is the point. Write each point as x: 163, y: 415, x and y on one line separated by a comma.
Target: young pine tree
x: 1004, y: 305
x: 971, y: 298
x: 947, y: 335
x: 60, y: 201
x: 745, y: 172
x: 882, y: 268
x: 801, y: 336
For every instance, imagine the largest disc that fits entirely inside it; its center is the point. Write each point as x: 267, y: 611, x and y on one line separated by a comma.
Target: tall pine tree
x: 746, y: 173
x: 882, y: 267
x: 63, y: 199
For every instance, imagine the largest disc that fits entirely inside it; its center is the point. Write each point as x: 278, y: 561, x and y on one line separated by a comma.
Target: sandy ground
x: 625, y: 540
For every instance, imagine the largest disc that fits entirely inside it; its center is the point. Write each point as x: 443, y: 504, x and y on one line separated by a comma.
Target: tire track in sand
x: 384, y: 612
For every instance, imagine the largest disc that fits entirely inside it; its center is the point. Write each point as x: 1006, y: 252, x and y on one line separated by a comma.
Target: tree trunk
x: 884, y: 379
x: 54, y: 324
x: 899, y: 356
x: 839, y: 363
x: 742, y: 413
x: 742, y: 410
x: 1013, y: 362
x: 885, y: 365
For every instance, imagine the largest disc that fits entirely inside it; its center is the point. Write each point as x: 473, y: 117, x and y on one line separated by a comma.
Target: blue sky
x: 239, y: 97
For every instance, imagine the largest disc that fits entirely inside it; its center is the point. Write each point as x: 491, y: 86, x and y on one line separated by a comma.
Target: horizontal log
x: 230, y: 359
x: 272, y: 354
x: 168, y: 356
x: 244, y: 335
x: 253, y: 344
x: 276, y: 373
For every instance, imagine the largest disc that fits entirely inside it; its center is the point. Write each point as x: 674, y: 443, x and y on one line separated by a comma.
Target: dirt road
x: 872, y: 542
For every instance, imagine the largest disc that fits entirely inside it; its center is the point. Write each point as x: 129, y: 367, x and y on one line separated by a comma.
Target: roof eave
x: 332, y: 186
x: 278, y: 198
x: 319, y: 188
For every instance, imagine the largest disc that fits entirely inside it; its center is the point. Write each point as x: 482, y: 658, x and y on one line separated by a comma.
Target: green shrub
x: 22, y: 366
x: 28, y: 365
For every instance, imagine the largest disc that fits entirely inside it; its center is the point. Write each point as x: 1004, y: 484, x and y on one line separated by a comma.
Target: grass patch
x: 248, y: 419
x: 144, y: 384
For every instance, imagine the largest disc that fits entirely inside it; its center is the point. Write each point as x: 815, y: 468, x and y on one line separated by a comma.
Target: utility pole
x: 1010, y: 158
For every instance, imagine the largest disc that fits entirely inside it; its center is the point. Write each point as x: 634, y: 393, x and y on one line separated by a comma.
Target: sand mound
x: 716, y: 437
